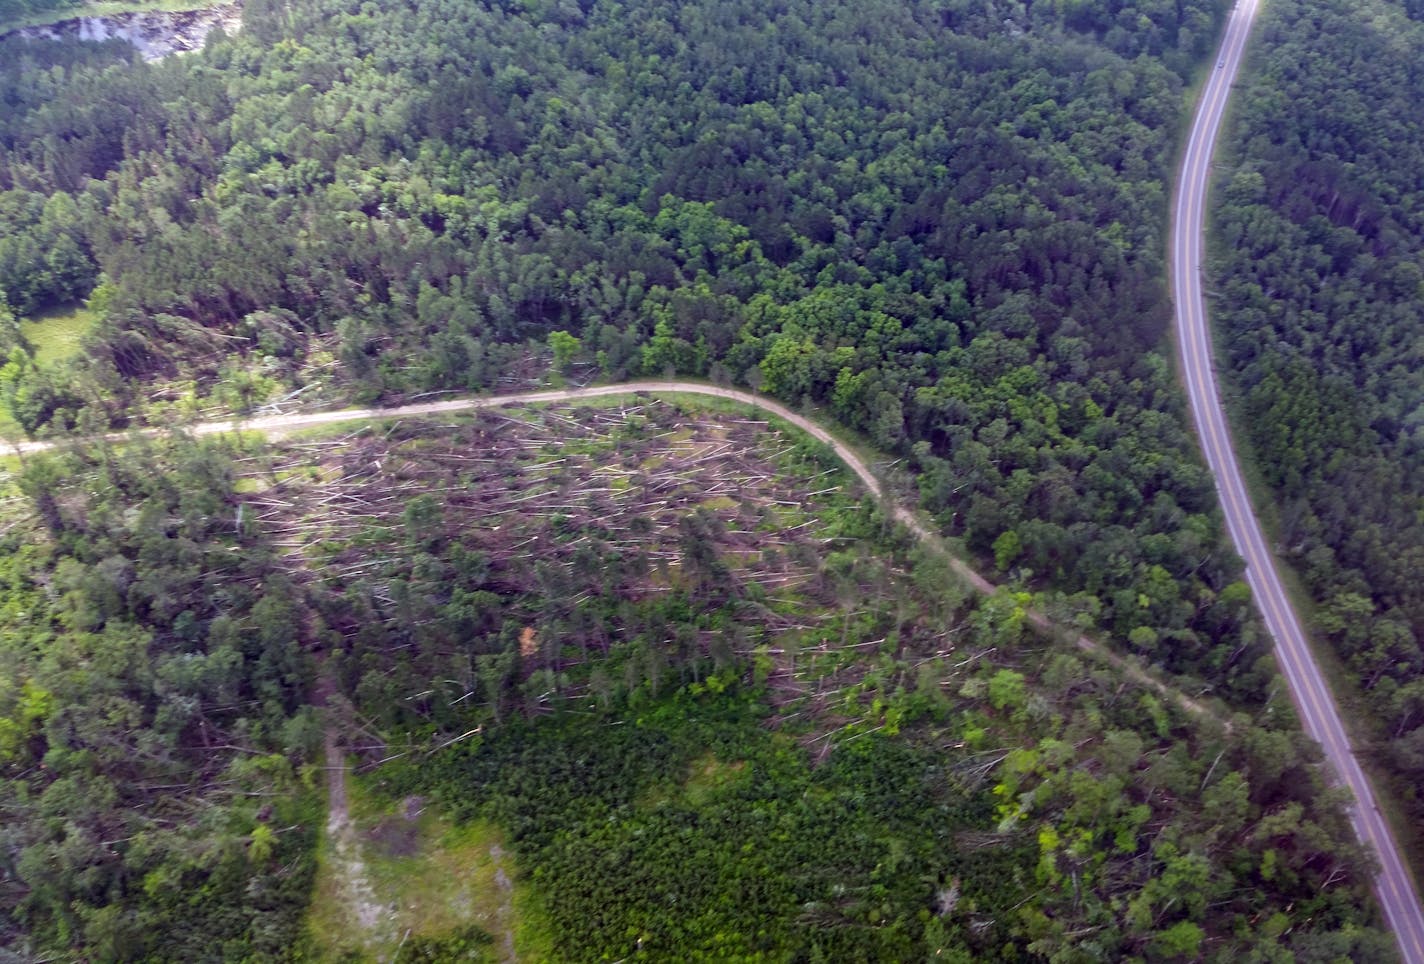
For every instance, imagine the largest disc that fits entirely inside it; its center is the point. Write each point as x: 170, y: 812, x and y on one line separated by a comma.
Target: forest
x: 741, y: 722
x: 1320, y: 227
x: 942, y: 228
x: 938, y: 223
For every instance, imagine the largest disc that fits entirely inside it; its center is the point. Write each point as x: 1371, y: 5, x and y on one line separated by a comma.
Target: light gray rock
x: 155, y: 34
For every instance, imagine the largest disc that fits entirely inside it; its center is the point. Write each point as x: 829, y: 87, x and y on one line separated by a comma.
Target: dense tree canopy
x: 151, y: 710
x: 1321, y: 221
x: 939, y: 222
x: 942, y: 223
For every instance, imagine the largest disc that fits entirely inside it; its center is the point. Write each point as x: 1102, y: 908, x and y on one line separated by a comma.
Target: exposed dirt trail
x: 278, y: 425
x: 356, y: 890
x: 345, y: 848
x: 337, y: 814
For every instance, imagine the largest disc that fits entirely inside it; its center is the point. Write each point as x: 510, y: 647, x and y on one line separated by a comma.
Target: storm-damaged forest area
x: 672, y: 654
x: 640, y: 678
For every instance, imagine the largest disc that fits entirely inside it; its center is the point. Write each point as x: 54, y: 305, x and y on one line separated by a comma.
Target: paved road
x: 1394, y: 886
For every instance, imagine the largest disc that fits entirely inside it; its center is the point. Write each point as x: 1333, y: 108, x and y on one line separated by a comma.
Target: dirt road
x: 277, y: 425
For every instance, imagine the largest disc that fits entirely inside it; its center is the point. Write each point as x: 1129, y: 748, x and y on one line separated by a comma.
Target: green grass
x: 430, y: 878
x: 56, y: 333
x: 707, y: 777
x: 710, y: 776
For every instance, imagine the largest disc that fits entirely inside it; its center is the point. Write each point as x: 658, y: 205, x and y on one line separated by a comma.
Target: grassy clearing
x: 428, y: 878
x: 710, y: 776
x: 56, y: 333
x: 707, y: 779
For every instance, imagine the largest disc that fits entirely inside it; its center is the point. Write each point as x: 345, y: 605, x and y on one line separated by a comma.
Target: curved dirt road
x: 1394, y: 886
x: 281, y: 424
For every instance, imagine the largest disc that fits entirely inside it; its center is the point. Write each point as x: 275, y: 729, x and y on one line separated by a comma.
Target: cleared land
x: 56, y: 333
x: 630, y: 500
x: 392, y: 873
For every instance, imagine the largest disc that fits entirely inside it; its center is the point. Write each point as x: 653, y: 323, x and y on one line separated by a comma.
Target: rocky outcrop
x: 155, y: 33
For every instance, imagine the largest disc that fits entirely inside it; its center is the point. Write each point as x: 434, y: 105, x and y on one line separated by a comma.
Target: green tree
x: 565, y: 348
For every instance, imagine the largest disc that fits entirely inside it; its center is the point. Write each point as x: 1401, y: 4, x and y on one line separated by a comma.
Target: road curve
x: 1394, y: 886
x: 282, y: 424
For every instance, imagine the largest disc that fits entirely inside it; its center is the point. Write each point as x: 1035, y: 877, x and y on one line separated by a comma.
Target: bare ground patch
x: 392, y: 872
